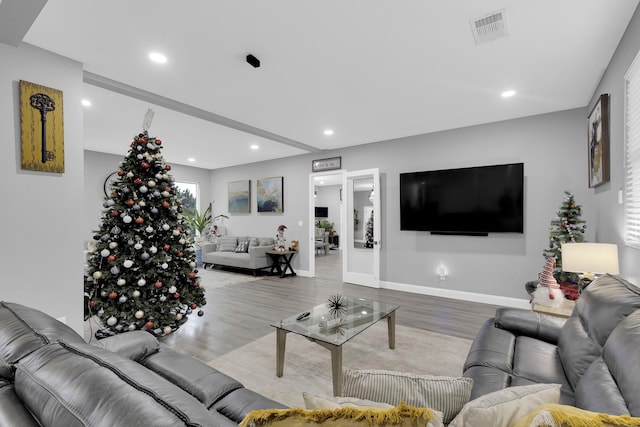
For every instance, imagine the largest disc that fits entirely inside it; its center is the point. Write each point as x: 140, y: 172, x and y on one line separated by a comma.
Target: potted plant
x: 199, y: 223
x: 328, y: 226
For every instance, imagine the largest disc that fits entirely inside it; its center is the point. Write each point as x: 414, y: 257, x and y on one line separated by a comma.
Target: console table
x: 280, y: 259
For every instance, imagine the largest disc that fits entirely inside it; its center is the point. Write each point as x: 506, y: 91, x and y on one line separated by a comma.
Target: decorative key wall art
x: 42, y: 128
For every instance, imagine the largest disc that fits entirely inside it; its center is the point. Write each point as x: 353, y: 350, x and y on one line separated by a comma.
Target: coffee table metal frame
x: 331, y: 329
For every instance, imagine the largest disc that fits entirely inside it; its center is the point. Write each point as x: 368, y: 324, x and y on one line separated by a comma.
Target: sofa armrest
x: 209, y: 247
x: 529, y: 323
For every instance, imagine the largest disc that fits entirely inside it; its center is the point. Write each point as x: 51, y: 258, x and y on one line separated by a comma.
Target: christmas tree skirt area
x: 307, y: 366
x: 216, y: 278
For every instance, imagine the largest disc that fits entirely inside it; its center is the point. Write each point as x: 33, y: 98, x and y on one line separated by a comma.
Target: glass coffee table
x: 332, y: 328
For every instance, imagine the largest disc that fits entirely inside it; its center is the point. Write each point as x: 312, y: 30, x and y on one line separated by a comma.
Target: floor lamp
x: 589, y: 260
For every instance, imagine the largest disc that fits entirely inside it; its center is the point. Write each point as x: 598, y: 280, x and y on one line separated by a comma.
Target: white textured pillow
x: 505, y: 407
x: 314, y: 401
x: 445, y: 394
x: 227, y: 244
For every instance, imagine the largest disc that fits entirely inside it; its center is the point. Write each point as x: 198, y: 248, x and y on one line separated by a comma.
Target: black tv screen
x: 473, y: 201
x: 322, y: 212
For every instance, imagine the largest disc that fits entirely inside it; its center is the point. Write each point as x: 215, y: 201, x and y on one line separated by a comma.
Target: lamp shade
x: 598, y: 258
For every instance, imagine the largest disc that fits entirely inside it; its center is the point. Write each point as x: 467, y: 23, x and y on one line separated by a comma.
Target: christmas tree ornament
x: 116, y: 230
x: 136, y: 293
x: 112, y: 321
x: 158, y: 284
x: 97, y: 275
x: 200, y: 313
x: 112, y: 295
x: 142, y: 203
x: 143, y: 189
x: 115, y: 270
x: 132, y: 327
x: 139, y: 220
x: 111, y: 258
x: 139, y: 314
x: 163, y: 298
x: 104, y: 253
x: 100, y: 312
x: 142, y: 281
x: 165, y: 226
x: 121, y: 282
x: 172, y: 289
x: 137, y: 246
x: 130, y: 174
x: 122, y: 299
x: 148, y: 325
x: 153, y: 249
x: 127, y: 263
x: 151, y: 183
x: 127, y: 219
x: 149, y: 230
x: 164, y: 266
x: 167, y: 330
x: 144, y: 256
x: 113, y: 245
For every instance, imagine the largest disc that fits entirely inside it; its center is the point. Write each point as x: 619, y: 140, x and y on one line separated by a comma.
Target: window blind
x: 632, y: 155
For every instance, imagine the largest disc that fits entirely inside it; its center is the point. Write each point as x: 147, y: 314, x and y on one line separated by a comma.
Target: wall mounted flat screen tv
x: 322, y: 212
x: 466, y: 201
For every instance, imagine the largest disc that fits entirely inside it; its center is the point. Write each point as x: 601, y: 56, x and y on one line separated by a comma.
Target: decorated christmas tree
x: 566, y: 228
x: 142, y: 273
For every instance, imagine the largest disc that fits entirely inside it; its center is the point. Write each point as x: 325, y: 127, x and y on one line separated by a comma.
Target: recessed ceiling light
x: 157, y: 57
x: 86, y: 102
x: 328, y: 132
x: 508, y: 93
x: 254, y: 146
x: 321, y: 182
x: 191, y: 159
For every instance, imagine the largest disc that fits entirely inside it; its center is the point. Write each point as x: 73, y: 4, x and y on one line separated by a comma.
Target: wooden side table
x: 564, y: 310
x: 279, y: 259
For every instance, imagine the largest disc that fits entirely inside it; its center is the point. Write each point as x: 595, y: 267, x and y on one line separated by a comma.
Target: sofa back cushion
x: 266, y: 241
x: 227, y: 244
x: 612, y: 382
x: 601, y: 307
x: 24, y: 330
x: 81, y: 385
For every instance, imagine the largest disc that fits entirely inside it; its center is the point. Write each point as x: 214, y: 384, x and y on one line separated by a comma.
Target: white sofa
x: 230, y: 252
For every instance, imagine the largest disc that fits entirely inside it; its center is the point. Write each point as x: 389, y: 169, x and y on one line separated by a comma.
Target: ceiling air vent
x: 490, y: 27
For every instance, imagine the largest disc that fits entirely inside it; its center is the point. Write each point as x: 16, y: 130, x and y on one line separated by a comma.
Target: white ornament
x: 165, y: 227
x: 179, y: 316
x: 132, y: 327
x: 139, y: 156
x: 149, y: 229
x: 127, y: 263
x: 165, y: 194
x: 150, y: 147
x: 136, y: 293
x: 143, y: 189
x: 103, y: 293
x: 182, y: 241
x: 97, y: 275
x: 139, y: 314
x: 153, y: 249
x: 165, y: 176
x: 192, y: 264
x: 167, y: 330
x: 142, y: 203
x: 142, y: 282
x: 126, y: 219
x: 112, y: 321
x: 164, y: 266
x: 101, y: 312
x: 138, y: 246
x: 113, y: 245
x: 121, y: 282
x: 151, y: 183
x: 176, y: 232
x: 163, y: 298
x: 129, y: 174
x: 172, y: 290
x: 122, y: 299
x: 105, y: 253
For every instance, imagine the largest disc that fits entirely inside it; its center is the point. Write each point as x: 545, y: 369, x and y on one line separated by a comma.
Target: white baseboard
x: 459, y: 295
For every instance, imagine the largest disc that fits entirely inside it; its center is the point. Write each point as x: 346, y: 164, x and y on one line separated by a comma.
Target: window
x: 632, y: 155
x: 188, y: 196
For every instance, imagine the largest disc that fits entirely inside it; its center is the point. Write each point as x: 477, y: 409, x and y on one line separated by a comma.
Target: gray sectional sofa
x: 595, y: 354
x: 49, y: 376
x: 229, y: 252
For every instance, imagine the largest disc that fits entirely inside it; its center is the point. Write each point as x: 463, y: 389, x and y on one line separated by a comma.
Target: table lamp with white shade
x: 589, y: 260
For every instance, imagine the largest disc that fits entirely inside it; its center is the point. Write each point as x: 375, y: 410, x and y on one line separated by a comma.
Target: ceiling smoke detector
x: 490, y: 27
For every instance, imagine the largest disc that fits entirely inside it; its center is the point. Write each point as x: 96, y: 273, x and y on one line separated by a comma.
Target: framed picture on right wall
x: 598, y: 142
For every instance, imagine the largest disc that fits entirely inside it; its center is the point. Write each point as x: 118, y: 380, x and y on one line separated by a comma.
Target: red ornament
x: 113, y: 295
x: 111, y: 258
x: 192, y: 275
x: 129, y: 202
x: 92, y: 303
x: 196, y: 284
x: 165, y: 204
x: 158, y: 284
x: 139, y: 220
x: 158, y: 142
x: 179, y: 229
x: 167, y: 189
x: 149, y: 324
x: 168, y: 167
x: 194, y: 306
x: 120, y: 172
x: 166, y: 247
x: 133, y: 143
x: 143, y: 140
x: 180, y: 254
x: 115, y: 213
x: 144, y: 165
x: 137, y: 181
x: 176, y: 295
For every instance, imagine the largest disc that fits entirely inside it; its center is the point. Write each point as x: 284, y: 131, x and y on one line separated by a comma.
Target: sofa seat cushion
x: 493, y: 347
x: 26, y: 329
x: 537, y: 361
x: 240, y: 402
x: 196, y: 378
x: 12, y: 410
x: 83, y: 385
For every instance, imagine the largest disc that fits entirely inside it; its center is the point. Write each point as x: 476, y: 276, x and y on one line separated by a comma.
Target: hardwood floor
x: 238, y: 314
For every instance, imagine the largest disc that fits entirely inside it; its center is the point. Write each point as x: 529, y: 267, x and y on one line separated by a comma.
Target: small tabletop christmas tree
x: 568, y: 227
x: 142, y: 272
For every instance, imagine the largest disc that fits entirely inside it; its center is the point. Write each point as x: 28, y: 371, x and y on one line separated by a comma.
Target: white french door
x: 361, y: 228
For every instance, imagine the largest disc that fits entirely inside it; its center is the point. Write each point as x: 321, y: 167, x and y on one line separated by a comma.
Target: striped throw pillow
x: 227, y: 244
x: 445, y: 394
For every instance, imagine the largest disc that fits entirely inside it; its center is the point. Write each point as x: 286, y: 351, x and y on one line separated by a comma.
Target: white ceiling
x: 371, y: 70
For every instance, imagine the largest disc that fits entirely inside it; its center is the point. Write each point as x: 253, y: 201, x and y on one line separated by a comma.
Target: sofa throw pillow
x: 266, y: 241
x: 505, y: 407
x: 445, y: 394
x: 253, y: 242
x: 402, y: 415
x: 314, y: 401
x: 556, y: 415
x: 243, y: 247
x: 227, y: 244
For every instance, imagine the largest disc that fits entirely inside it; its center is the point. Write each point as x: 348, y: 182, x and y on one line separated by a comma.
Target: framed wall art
x: 270, y: 194
x: 598, y: 142
x: 239, y: 196
x: 331, y: 163
x: 41, y: 128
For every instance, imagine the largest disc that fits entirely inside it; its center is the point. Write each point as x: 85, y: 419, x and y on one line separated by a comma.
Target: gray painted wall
x: 608, y: 213
x: 41, y: 257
